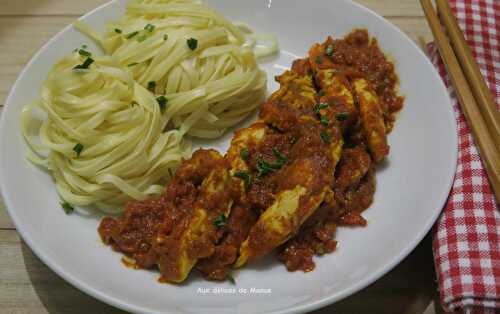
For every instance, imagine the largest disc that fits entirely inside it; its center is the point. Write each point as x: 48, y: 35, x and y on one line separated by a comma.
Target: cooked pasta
x: 115, y: 126
x: 201, y: 62
x: 103, y: 138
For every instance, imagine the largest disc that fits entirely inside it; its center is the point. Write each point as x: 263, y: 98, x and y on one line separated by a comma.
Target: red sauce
x: 297, y: 147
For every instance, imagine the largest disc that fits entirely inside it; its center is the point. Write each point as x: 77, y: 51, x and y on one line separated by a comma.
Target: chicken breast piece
x: 372, y: 120
x: 195, y: 236
x: 301, y: 186
x: 336, y: 100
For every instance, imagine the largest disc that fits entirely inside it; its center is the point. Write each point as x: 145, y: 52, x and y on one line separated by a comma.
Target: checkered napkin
x: 466, y: 240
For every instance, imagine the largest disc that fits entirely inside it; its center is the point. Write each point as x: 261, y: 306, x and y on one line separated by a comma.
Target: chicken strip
x: 135, y: 231
x: 336, y: 99
x: 301, y: 185
x: 372, y: 120
x: 179, y: 247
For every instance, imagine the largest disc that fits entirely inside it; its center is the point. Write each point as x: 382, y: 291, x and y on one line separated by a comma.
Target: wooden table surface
x: 28, y: 286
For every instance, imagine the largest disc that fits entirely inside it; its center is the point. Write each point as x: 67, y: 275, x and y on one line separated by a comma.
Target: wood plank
x: 77, y: 7
x: 28, y: 286
x: 5, y: 222
x: 21, y: 42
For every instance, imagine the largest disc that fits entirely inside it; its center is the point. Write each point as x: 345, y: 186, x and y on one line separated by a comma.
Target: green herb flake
x: 320, y: 106
x: 68, y: 209
x: 149, y: 28
x: 319, y: 60
x: 280, y: 158
x: 162, y: 101
x: 78, y: 149
x: 131, y: 35
x: 132, y: 64
x: 329, y: 50
x: 231, y: 279
x: 85, y: 64
x: 324, y: 120
x: 325, y: 137
x: 341, y: 116
x: 243, y: 175
x: 264, y: 167
x: 244, y: 153
x: 192, y: 43
x: 84, y: 53
x: 151, y: 86
x: 220, y: 221
x: 142, y: 38
x: 118, y: 31
x: 165, y: 37
x: 293, y: 140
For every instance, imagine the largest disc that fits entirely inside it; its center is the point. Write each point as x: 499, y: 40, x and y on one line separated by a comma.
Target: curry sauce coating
x: 372, y: 120
x: 242, y: 216
x: 195, y: 236
x: 135, y: 231
x: 352, y: 183
x: 356, y: 77
x: 301, y: 185
x: 304, y: 181
x: 264, y: 209
x: 295, y: 97
x: 336, y: 97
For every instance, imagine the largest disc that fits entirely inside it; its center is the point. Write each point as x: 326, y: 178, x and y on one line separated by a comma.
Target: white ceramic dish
x: 412, y: 187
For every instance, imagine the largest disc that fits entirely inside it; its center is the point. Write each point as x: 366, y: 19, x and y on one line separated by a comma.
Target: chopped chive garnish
x: 78, y: 149
x: 264, y: 167
x: 341, y: 116
x: 280, y: 158
x: 231, y: 279
x: 321, y: 105
x: 149, y: 27
x: 85, y: 64
x: 325, y: 137
x: 165, y: 37
x: 162, y: 101
x: 151, y: 86
x: 324, y: 120
x: 244, y: 153
x: 131, y: 35
x: 142, y: 38
x: 118, y: 31
x: 132, y: 64
x: 243, y: 175
x: 220, y: 221
x: 192, y: 43
x: 68, y: 209
x: 329, y: 50
x: 84, y: 53
x: 319, y: 60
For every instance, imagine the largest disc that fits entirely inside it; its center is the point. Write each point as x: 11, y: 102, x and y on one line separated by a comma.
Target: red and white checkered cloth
x: 466, y: 240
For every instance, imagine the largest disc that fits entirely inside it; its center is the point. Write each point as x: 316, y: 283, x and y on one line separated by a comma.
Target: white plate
x: 411, y: 190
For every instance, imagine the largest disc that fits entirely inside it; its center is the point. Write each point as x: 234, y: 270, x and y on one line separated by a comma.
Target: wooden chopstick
x: 482, y: 94
x: 475, y: 120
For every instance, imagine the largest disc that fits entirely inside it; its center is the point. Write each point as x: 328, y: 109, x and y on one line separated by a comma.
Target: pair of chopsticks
x: 473, y: 94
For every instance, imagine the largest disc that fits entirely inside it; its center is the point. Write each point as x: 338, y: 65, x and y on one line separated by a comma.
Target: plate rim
x: 309, y: 306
